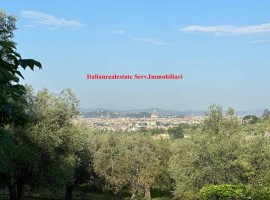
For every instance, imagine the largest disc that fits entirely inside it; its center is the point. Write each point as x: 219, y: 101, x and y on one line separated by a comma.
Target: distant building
x: 142, y: 125
x: 154, y: 118
x: 108, y: 115
x: 154, y: 115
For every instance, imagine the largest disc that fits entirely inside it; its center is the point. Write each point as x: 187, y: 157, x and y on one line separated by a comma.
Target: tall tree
x: 128, y: 160
x: 46, y: 146
x: 12, y: 93
x: 266, y: 114
x: 144, y: 164
x: 110, y: 162
x: 57, y: 136
x: 213, y: 119
x: 214, y: 154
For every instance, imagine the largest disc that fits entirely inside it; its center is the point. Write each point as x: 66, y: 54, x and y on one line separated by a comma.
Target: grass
x: 6, y: 197
x: 156, y: 195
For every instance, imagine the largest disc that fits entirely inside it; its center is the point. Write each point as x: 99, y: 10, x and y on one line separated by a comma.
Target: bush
x: 225, y: 191
x: 260, y: 193
x: 233, y: 192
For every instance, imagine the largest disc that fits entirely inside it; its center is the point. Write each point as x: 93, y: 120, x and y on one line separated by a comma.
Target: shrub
x: 225, y: 191
x: 233, y: 192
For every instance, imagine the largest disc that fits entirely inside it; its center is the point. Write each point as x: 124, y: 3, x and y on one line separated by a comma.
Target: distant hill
x: 135, y: 113
x: 140, y: 113
x: 258, y: 113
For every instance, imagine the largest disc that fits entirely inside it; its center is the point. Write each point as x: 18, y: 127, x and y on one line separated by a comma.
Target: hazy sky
x: 222, y: 48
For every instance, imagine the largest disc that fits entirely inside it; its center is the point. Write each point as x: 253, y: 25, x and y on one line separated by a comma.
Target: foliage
x: 7, y: 22
x: 14, y: 160
x: 266, y: 114
x: 213, y: 122
x: 225, y: 191
x: 219, y: 152
x: 46, y: 146
x: 215, y: 154
x: 250, y: 119
x: 154, y: 131
x: 178, y: 132
x: 163, y: 181
x: 109, y: 162
x: 143, y: 162
x: 237, y: 192
x: 258, y: 155
x: 125, y: 160
x: 12, y: 93
x: 57, y: 137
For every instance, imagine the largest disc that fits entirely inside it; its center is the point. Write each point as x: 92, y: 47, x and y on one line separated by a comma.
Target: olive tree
x: 215, y: 154
x: 128, y: 161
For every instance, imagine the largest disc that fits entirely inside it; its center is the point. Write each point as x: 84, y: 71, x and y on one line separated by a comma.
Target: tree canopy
x: 12, y: 93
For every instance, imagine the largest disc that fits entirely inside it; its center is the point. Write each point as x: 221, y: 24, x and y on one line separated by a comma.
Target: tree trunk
x: 133, y: 196
x: 134, y: 192
x: 12, y: 192
x: 20, y: 190
x: 118, y: 193
x: 69, y: 191
x: 147, y: 191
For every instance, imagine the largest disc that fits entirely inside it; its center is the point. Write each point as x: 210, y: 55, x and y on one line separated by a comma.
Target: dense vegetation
x: 55, y: 151
x: 44, y: 148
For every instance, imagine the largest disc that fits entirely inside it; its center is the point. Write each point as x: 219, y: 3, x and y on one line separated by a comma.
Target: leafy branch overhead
x: 12, y: 93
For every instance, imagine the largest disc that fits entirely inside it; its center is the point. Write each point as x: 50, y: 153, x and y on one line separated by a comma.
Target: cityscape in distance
x: 146, y: 119
x: 140, y: 113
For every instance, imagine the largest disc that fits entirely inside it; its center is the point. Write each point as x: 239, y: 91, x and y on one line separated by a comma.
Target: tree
x: 12, y: 97
x: 231, y: 123
x: 214, y: 154
x: 163, y: 180
x: 250, y: 119
x: 58, y: 137
x: 110, y: 162
x: 128, y: 160
x: 47, y: 145
x: 21, y: 165
x: 208, y: 159
x: 83, y: 166
x: 259, y: 159
x: 217, y: 123
x: 12, y: 93
x: 214, y: 118
x: 143, y: 163
x: 230, y: 112
x: 266, y: 114
x: 177, y: 132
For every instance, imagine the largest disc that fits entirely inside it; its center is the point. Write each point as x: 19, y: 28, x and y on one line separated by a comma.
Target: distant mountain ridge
x: 137, y: 113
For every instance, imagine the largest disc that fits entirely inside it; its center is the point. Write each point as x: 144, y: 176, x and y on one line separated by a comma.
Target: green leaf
x: 6, y: 143
x: 19, y: 73
x: 29, y: 63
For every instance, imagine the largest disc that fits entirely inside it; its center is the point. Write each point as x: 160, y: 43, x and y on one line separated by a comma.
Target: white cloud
x: 229, y: 30
x: 260, y: 42
x: 118, y: 32
x: 50, y: 20
x: 151, y: 41
x: 30, y: 26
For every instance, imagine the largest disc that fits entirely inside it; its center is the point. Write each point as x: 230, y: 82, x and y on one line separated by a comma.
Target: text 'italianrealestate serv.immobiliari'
x: 135, y: 76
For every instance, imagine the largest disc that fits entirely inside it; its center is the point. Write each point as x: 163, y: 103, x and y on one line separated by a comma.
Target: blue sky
x: 221, y: 48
